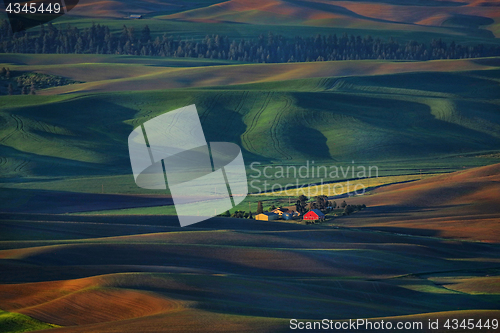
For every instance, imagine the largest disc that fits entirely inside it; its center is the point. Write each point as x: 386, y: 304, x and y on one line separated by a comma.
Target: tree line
x: 21, y: 87
x: 302, y: 206
x: 271, y: 48
x: 322, y: 203
x: 25, y: 82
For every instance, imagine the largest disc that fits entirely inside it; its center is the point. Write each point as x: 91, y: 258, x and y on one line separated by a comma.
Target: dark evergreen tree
x: 303, y: 198
x: 298, y: 206
x: 260, y: 210
x: 348, y: 210
x: 145, y: 35
x: 321, y: 201
x: 272, y: 48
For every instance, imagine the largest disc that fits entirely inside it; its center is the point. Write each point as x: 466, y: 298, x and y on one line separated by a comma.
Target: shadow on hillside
x: 59, y: 202
x: 223, y: 121
x: 214, y: 223
x: 395, y: 211
x: 98, y: 134
x: 405, y: 231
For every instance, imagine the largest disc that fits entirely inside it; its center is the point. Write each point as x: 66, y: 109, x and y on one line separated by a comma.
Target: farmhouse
x: 267, y: 216
x: 281, y: 210
x: 135, y: 16
x: 290, y: 215
x: 313, y: 215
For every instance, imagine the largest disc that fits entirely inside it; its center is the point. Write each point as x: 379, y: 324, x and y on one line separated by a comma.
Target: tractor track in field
x: 321, y: 84
x: 274, y: 128
x: 243, y: 137
x: 24, y: 132
x: 190, y: 102
x: 5, y: 138
x: 239, y: 105
x: 335, y: 85
x: 238, y: 108
x: 139, y: 107
x: 21, y: 166
x: 253, y: 122
x: 145, y: 112
x: 304, y: 118
x: 51, y: 129
x: 6, y: 126
x: 175, y: 119
x: 242, y: 101
x: 19, y: 124
x: 44, y: 127
x: 19, y: 127
x: 210, y: 107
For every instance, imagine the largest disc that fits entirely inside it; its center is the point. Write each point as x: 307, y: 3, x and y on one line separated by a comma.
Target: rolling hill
x: 462, y: 204
x: 53, y: 143
x: 228, y: 275
x: 346, y: 116
x: 84, y: 249
x: 16, y: 322
x: 468, y: 21
x: 451, y: 16
x: 109, y: 76
x: 121, y: 9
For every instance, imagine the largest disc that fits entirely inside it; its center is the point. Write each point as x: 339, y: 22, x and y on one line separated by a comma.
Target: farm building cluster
x: 288, y: 214
x: 309, y: 212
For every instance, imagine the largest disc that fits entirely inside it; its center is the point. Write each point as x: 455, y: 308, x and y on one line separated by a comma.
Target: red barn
x: 313, y: 215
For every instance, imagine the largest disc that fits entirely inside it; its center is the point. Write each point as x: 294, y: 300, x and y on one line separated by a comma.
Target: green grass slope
x: 17, y: 323
x: 78, y: 142
x: 337, y: 119
x: 104, y: 75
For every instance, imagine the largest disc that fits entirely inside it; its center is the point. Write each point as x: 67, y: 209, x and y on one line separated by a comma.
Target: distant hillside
x: 120, y: 9
x: 143, y: 274
x: 472, y: 17
x: 366, y: 118
x: 109, y: 74
x: 464, y: 204
x: 470, y: 21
